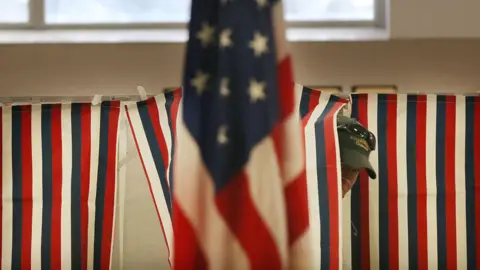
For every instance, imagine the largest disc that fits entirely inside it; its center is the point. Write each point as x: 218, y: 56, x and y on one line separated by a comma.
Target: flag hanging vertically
x: 423, y: 211
x: 153, y: 124
x: 318, y: 111
x: 58, y: 183
x: 240, y: 197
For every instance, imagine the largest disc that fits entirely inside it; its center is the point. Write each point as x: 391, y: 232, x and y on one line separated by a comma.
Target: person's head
x: 356, y: 144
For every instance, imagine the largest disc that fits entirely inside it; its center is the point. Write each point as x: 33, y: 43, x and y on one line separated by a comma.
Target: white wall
x: 434, y: 19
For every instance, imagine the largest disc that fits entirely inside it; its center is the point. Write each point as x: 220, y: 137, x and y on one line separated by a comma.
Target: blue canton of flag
x: 230, y: 82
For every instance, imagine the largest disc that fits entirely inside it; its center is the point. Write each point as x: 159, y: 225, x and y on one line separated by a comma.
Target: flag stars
x: 224, y: 90
x: 222, y: 138
x: 259, y: 44
x: 257, y: 90
x: 262, y: 3
x: 225, y: 38
x: 205, y: 35
x: 200, y: 81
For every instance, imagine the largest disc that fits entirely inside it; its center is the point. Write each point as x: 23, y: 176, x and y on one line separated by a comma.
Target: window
x: 158, y: 13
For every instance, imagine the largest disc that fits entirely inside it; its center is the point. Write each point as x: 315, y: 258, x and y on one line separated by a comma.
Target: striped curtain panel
x: 153, y: 123
x: 58, y: 181
x: 318, y: 111
x: 423, y: 211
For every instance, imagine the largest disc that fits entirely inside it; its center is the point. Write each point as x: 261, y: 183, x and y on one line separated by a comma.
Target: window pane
x: 329, y: 10
x: 13, y: 11
x: 117, y: 11
x: 174, y: 11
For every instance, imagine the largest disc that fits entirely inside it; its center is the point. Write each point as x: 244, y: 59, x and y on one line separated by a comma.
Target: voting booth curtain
x: 58, y: 180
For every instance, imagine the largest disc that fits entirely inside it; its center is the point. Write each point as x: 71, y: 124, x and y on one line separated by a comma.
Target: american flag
x: 240, y: 191
x: 318, y: 111
x: 57, y: 185
x: 423, y: 211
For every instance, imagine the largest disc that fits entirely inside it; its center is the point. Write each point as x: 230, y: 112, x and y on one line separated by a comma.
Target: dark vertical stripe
x: 305, y: 101
x: 476, y: 133
x: 46, y: 184
x: 383, y: 182
x: 363, y: 183
x: 355, y: 209
x: 76, y: 116
x: 323, y: 187
x: 170, y: 98
x: 412, y: 181
x: 101, y: 184
x: 421, y: 177
x: 155, y: 150
x: 440, y: 172
x: 17, y: 186
x: 470, y: 191
x: 86, y: 150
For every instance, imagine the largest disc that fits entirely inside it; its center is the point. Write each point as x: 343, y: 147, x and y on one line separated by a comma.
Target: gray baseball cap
x: 356, y: 144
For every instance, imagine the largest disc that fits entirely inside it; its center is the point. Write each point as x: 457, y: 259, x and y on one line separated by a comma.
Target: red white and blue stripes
x: 423, y: 212
x: 58, y: 183
x: 318, y: 111
x: 153, y: 123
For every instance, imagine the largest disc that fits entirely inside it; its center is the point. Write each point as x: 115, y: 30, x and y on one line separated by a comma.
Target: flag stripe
x: 421, y: 180
x: 86, y: 150
x: 360, y: 247
x: 156, y: 146
x: 110, y: 185
x: 172, y: 104
x: 57, y: 167
x: 7, y: 188
x: 472, y: 177
x: 76, y: 190
x: 66, y: 187
x: 363, y: 184
x: 412, y: 199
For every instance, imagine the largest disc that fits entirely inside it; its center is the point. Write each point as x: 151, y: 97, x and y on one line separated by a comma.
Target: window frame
x: 37, y: 22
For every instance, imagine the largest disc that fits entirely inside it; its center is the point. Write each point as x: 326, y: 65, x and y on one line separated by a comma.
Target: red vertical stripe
x: 392, y: 181
x: 450, y: 182
x: 155, y: 118
x: 109, y: 202
x: 177, y: 96
x: 476, y: 145
x: 85, y: 179
x: 314, y: 99
x: 364, y: 194
x: 27, y: 195
x: 333, y: 188
x: 422, y: 181
x: 56, y: 186
x: 188, y: 252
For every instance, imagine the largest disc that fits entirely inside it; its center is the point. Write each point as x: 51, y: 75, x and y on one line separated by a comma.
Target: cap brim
x: 356, y: 160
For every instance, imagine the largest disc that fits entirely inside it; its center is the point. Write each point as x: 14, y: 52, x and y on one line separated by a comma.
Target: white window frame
x: 36, y: 29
